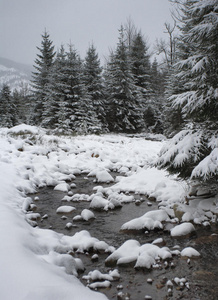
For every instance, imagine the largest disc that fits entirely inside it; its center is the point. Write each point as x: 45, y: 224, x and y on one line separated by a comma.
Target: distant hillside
x: 14, y: 74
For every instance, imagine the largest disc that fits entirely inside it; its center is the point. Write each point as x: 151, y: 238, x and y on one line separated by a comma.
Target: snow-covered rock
x: 87, y: 214
x: 104, y: 176
x: 65, y: 209
x: 143, y: 256
x: 150, y: 220
x: 182, y: 229
x: 63, y: 187
x: 190, y: 252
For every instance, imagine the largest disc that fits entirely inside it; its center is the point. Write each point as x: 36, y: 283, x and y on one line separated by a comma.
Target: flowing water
x: 201, y: 273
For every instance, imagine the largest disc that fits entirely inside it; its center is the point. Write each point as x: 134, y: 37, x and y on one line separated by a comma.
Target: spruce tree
x: 56, y: 112
x: 83, y: 118
x: 193, y: 150
x: 43, y: 64
x: 197, y: 68
x: 94, y: 84
x: 22, y: 101
x: 124, y: 99
x: 140, y: 64
x: 8, y: 115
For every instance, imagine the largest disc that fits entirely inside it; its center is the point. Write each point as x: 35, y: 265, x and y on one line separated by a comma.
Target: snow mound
x: 144, y: 256
x: 83, y: 241
x: 100, y: 285
x: 150, y: 221
x: 68, y: 262
x: 182, y: 229
x: 65, y: 209
x: 23, y: 128
x: 153, y: 182
x: 63, y: 187
x: 98, y: 202
x: 97, y: 275
x: 190, y: 252
x: 104, y: 176
x: 87, y: 214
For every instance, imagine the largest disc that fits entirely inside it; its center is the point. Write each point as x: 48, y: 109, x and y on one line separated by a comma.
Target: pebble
x: 94, y: 257
x: 170, y: 292
x: 137, y: 202
x: 119, y: 287
x: 149, y: 280
x: 69, y: 225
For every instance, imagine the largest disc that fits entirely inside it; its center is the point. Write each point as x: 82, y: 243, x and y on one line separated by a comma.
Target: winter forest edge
x: 132, y: 94
x: 109, y: 168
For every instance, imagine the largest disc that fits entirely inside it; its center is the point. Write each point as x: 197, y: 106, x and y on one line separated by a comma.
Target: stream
x: 200, y: 273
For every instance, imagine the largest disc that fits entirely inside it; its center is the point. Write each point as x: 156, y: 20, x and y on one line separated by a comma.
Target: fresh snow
x: 190, y: 252
x: 144, y: 256
x: 182, y: 229
x: 23, y: 251
x: 149, y: 220
x: 87, y: 214
x: 63, y: 187
x: 65, y: 209
x: 30, y: 158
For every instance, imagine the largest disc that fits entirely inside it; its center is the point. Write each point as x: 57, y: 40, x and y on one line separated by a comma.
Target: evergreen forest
x: 132, y: 92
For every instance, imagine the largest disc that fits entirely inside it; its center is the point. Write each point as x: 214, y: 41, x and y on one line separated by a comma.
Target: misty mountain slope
x: 14, y: 74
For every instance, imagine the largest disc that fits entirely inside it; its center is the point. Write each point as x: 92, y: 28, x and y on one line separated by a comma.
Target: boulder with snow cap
x: 65, y: 209
x: 182, y: 229
x: 150, y: 221
x: 189, y: 252
x: 87, y: 214
x: 63, y: 187
x: 104, y: 176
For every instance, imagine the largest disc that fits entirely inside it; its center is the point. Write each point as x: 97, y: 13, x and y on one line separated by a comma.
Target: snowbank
x: 30, y: 158
x: 24, y: 272
x: 155, y: 183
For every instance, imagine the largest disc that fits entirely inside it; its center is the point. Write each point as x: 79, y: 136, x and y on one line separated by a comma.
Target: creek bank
x: 133, y: 282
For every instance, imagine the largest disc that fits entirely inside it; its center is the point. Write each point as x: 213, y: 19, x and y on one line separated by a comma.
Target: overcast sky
x: 80, y: 22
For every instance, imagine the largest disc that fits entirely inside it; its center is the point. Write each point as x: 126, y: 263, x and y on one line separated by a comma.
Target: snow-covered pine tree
x: 140, y: 64
x: 56, y: 114
x: 198, y: 61
x: 142, y: 72
x: 83, y: 118
x: 8, y: 116
x: 194, y: 150
x: 93, y: 80
x: 124, y: 99
x: 22, y: 101
x: 43, y: 64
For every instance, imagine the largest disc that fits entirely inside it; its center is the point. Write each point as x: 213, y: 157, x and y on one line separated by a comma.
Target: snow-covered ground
x: 34, y: 262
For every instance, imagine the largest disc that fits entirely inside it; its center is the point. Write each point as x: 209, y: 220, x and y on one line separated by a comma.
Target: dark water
x: 201, y: 273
